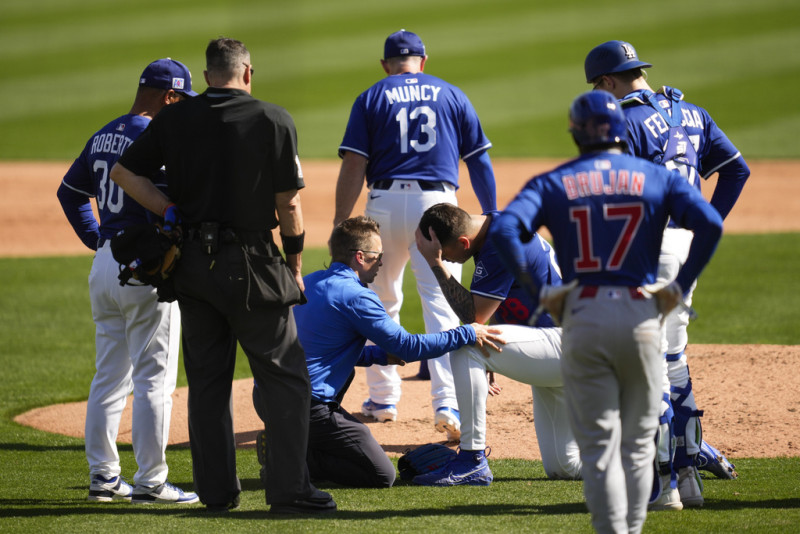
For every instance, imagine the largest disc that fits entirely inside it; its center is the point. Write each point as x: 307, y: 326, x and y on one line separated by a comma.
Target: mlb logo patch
x: 177, y: 83
x: 121, y: 127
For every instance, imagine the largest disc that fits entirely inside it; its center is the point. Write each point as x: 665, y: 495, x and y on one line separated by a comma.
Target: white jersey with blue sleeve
x: 414, y: 127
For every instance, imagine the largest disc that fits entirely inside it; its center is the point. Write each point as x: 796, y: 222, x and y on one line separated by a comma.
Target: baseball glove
x: 424, y: 459
x: 146, y: 253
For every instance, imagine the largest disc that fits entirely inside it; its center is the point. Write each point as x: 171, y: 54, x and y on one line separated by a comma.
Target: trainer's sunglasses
x: 380, y: 254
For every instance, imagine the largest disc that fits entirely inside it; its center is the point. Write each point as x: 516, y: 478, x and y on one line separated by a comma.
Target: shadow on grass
x: 31, y: 447
x: 44, y: 508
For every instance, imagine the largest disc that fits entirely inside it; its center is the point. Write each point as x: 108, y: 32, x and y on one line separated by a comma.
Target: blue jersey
x: 491, y: 279
x: 338, y: 319
x: 88, y: 177
x: 413, y: 127
x: 607, y: 214
x: 698, y: 148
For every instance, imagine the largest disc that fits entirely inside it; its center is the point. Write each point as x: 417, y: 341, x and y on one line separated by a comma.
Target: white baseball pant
x: 531, y: 356
x: 674, y: 251
x: 612, y: 369
x: 137, y: 341
x: 398, y: 211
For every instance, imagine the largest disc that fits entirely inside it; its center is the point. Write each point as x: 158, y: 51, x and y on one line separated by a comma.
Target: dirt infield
x: 748, y: 392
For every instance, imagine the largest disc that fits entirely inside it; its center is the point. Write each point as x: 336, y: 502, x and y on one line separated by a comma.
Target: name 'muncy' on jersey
x: 431, y: 121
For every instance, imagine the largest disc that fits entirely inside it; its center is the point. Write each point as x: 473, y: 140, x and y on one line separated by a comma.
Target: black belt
x: 425, y: 185
x: 226, y: 235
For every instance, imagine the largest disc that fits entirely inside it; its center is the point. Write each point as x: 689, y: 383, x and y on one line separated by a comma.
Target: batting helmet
x: 596, y: 120
x: 610, y: 57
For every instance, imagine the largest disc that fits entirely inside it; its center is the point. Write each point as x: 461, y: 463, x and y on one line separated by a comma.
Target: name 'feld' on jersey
x: 604, y: 181
x: 111, y: 143
x: 411, y: 92
x: 658, y: 126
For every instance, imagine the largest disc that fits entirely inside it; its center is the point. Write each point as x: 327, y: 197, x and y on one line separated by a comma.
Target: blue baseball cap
x: 168, y: 74
x: 403, y: 43
x: 611, y: 57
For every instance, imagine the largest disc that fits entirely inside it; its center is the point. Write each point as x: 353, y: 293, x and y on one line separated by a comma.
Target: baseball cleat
x: 712, y: 460
x: 448, y: 420
x: 107, y: 489
x: 690, y: 487
x: 670, y: 498
x: 469, y: 468
x: 164, y: 493
x: 381, y: 412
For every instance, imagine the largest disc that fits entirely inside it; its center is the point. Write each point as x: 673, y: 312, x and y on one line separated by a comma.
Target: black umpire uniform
x: 227, y: 154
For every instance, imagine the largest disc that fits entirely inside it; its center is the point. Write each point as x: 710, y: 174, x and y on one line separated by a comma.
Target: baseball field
x: 68, y: 68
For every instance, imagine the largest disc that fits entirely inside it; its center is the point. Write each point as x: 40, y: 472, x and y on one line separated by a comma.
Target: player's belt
x: 590, y: 292
x: 425, y: 185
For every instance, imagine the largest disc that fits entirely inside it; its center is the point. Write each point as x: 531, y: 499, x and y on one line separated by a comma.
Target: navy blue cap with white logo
x: 403, y: 43
x: 168, y: 74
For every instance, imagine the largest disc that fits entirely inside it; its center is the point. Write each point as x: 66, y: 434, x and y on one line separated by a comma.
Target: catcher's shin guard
x: 688, y: 432
x: 665, y: 451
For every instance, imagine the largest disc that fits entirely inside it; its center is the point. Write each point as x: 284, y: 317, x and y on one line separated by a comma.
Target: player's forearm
x: 290, y: 223
x: 78, y: 210
x: 481, y: 176
x: 140, y: 189
x: 730, y: 183
x: 457, y: 296
x: 349, y: 185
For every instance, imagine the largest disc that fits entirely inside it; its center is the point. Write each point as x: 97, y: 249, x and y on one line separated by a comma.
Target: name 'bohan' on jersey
x: 110, y: 143
x: 605, y: 182
x: 412, y: 93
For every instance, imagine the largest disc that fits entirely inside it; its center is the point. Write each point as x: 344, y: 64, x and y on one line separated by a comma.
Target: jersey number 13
x: 427, y: 128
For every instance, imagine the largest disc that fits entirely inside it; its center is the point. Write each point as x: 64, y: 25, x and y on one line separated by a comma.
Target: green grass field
x: 47, y: 332
x: 69, y: 67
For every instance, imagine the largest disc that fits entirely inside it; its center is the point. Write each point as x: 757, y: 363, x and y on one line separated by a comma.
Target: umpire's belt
x: 590, y: 292
x: 226, y: 235
x: 425, y: 185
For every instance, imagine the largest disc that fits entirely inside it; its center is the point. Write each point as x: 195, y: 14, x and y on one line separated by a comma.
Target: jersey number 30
x: 587, y: 261
x: 106, y: 189
x: 427, y: 127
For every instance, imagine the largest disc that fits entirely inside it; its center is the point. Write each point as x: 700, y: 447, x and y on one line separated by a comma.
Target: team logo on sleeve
x: 480, y: 271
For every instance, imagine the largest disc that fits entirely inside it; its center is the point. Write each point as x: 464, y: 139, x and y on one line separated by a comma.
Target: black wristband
x: 293, y: 244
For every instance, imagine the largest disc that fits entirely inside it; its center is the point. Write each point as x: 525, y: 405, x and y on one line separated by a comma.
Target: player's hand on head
x: 488, y: 337
x: 430, y: 249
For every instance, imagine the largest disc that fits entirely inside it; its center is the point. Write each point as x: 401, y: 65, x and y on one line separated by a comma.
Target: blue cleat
x: 469, y: 468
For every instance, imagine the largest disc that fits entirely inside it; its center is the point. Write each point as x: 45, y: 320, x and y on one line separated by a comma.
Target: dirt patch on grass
x: 748, y: 392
